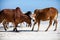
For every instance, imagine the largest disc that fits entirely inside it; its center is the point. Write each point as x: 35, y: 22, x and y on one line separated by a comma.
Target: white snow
x: 25, y: 33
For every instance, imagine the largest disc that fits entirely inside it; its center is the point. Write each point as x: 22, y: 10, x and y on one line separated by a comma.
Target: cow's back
x: 46, y: 14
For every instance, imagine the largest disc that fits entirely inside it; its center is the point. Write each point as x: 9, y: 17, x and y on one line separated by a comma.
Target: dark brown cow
x: 15, y: 16
x: 46, y: 14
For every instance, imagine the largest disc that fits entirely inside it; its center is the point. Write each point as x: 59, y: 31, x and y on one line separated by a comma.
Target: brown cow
x: 46, y: 14
x: 15, y: 16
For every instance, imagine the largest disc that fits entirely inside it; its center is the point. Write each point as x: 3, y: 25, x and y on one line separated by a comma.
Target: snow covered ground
x: 25, y: 33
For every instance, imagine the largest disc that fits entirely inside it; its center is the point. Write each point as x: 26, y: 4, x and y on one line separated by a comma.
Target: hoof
x: 5, y: 29
x: 13, y: 30
x: 46, y: 30
x: 32, y: 30
x: 54, y: 29
x: 16, y: 31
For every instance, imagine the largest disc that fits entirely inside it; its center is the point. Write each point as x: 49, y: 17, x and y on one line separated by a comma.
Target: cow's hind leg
x: 50, y: 23
x: 55, y: 21
x: 5, y: 25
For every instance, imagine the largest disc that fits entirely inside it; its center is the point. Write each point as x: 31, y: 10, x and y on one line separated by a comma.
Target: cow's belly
x: 45, y: 19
